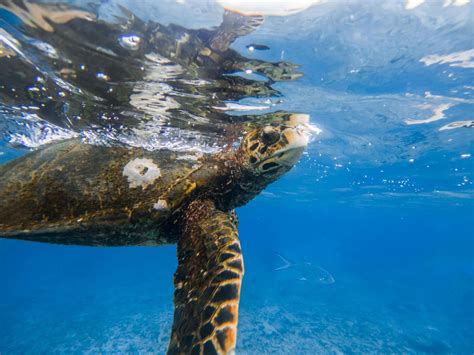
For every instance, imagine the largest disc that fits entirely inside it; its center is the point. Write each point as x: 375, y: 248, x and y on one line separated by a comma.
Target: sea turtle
x: 73, y: 193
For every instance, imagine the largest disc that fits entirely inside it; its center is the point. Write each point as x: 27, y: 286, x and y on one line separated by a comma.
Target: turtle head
x: 270, y: 151
x: 267, y: 152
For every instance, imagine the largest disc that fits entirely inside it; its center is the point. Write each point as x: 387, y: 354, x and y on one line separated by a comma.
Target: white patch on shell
x: 141, y: 172
x: 161, y: 205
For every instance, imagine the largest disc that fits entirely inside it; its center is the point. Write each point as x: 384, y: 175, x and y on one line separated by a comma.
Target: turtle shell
x: 73, y: 193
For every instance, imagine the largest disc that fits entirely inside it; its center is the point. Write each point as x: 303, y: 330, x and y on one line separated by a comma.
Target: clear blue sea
x: 375, y: 222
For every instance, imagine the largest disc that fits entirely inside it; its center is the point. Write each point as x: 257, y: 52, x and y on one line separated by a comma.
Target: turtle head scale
x: 272, y: 150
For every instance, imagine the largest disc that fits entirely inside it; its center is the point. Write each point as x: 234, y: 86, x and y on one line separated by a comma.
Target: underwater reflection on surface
x: 68, y: 73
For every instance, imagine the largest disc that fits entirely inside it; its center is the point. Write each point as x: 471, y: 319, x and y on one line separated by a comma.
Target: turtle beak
x: 301, y: 120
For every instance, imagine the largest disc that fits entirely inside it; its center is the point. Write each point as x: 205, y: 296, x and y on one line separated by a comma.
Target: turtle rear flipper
x: 207, y: 281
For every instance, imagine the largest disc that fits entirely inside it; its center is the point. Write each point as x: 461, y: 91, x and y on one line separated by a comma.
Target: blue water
x: 404, y: 283
x: 383, y: 206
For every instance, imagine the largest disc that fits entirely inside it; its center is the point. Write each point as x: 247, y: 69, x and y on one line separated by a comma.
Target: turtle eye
x: 269, y: 135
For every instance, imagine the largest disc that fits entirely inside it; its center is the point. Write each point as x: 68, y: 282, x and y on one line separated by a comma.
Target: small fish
x: 257, y: 47
x: 306, y: 271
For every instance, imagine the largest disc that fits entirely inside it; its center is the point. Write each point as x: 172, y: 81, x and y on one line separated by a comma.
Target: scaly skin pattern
x: 74, y: 193
x: 207, y: 282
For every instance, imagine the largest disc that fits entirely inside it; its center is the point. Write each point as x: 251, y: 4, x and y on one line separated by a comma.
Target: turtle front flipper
x: 207, y: 281
x: 234, y: 25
